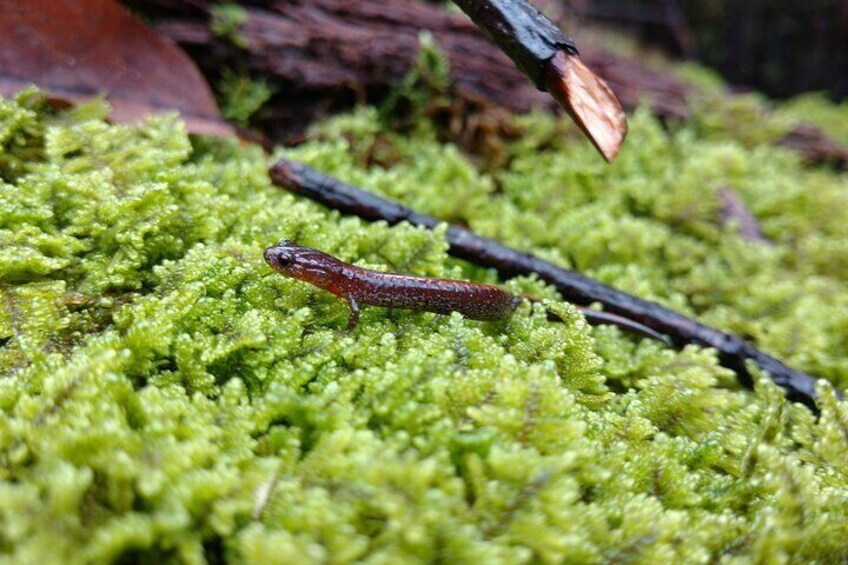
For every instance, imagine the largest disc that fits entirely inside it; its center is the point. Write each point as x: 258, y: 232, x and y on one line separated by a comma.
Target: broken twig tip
x: 589, y: 101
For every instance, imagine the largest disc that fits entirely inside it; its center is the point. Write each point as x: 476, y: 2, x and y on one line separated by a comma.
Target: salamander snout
x: 279, y: 257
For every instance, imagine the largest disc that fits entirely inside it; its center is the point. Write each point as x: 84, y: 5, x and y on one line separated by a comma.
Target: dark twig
x: 734, y: 352
x: 734, y: 211
x: 522, y: 32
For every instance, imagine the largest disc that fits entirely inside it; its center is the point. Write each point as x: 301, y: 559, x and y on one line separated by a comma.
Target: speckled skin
x: 362, y: 286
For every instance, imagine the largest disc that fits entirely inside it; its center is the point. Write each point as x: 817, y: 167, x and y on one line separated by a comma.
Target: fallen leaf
x: 77, y: 50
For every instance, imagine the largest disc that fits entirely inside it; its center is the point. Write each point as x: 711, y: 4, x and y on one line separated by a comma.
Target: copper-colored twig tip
x: 589, y: 102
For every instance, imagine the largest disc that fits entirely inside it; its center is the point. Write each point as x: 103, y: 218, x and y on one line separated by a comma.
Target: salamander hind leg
x: 354, y: 313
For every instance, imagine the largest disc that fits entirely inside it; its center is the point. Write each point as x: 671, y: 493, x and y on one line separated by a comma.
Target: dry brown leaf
x: 76, y: 50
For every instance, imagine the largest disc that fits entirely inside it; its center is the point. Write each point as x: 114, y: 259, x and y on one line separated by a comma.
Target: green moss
x: 750, y: 118
x: 816, y: 109
x: 226, y: 21
x: 241, y: 96
x: 166, y: 396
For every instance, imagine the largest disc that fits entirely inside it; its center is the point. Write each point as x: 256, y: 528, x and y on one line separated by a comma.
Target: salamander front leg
x: 354, y: 313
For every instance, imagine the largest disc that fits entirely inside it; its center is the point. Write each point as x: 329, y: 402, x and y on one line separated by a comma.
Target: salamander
x: 390, y: 290
x: 375, y: 288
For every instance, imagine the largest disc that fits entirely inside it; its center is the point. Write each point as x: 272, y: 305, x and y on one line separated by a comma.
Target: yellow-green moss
x: 226, y: 21
x: 164, y: 396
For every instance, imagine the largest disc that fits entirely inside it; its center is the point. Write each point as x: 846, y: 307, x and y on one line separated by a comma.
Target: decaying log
x: 325, y: 55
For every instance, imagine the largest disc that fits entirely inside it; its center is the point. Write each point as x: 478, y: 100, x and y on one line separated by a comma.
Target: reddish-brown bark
x: 326, y: 53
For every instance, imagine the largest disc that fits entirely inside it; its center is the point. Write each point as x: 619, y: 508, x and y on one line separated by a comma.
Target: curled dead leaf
x: 76, y: 50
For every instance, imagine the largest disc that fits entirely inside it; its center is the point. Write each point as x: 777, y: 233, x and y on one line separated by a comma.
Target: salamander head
x: 281, y: 257
x: 302, y: 263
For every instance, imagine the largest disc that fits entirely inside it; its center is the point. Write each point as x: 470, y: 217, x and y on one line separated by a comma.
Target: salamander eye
x: 279, y: 258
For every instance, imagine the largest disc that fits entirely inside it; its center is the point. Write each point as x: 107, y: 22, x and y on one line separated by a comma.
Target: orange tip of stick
x: 589, y: 101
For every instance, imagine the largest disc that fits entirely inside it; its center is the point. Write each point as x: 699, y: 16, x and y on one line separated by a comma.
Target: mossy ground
x: 164, y: 395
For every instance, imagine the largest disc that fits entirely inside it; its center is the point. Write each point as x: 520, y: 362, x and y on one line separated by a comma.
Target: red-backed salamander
x: 375, y: 288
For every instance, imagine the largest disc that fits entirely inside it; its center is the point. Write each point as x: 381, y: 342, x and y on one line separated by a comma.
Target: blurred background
x: 780, y: 47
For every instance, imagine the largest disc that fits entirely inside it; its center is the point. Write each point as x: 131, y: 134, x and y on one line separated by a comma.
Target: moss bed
x: 165, y: 396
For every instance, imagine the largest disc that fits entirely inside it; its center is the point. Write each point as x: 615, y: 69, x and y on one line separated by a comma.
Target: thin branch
x: 734, y: 352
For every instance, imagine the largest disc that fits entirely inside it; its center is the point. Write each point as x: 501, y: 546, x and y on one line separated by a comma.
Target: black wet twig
x: 734, y: 352
x: 522, y: 32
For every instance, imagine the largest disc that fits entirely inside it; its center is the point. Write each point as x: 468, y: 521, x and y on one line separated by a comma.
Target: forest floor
x: 164, y: 395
